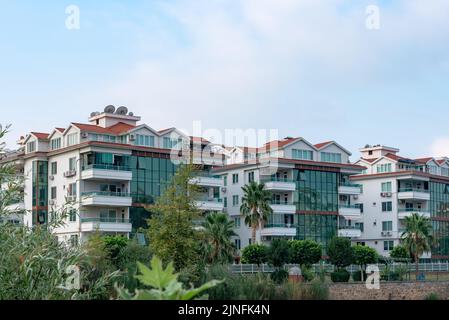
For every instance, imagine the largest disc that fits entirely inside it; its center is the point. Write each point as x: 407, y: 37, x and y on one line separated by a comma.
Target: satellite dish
x: 93, y: 114
x: 122, y: 111
x: 131, y: 114
x: 109, y: 109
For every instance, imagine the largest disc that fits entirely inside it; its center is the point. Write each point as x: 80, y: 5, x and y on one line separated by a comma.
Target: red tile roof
x: 199, y: 139
x: 394, y: 157
x: 369, y: 160
x: 120, y: 127
x: 92, y: 128
x: 165, y: 130
x: 423, y: 160
x: 40, y: 135
x: 322, y: 144
x: 441, y: 161
x: 60, y: 129
x: 278, y: 143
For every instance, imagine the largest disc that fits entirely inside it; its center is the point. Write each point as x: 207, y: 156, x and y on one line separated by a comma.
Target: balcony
x: 349, y: 232
x: 105, y: 225
x: 210, y: 204
x: 106, y: 199
x: 350, y: 212
x: 350, y: 188
x: 283, y: 207
x: 413, y: 193
x: 278, y: 230
x: 207, y: 180
x: 280, y: 184
x: 407, y: 212
x: 106, y: 172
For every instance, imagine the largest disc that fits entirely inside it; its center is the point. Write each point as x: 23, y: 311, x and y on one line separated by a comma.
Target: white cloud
x: 440, y: 147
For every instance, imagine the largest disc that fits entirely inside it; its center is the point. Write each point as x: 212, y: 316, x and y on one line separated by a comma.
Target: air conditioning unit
x: 51, y: 178
x: 84, y: 135
x: 355, y: 197
x: 52, y: 202
x: 382, y: 194
x: 132, y: 137
x: 70, y: 173
x: 223, y: 189
x: 386, y: 233
x: 388, y: 194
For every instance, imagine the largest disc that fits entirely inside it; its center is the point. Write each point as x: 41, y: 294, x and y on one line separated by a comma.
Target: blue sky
x: 308, y: 68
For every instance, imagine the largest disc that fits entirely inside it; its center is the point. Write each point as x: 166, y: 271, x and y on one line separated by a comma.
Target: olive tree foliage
x: 34, y: 265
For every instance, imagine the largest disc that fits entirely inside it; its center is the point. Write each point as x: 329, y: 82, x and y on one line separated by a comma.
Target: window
x: 235, y: 201
x: 72, y: 215
x: 55, y: 144
x: 31, y: 146
x: 72, y: 164
x: 74, y: 240
x: 238, y: 244
x: 72, y: 139
x: 251, y: 176
x: 170, y: 143
x: 359, y: 225
x: 54, y: 168
x: 225, y: 202
x: 53, y: 193
x: 225, y: 181
x: 387, y: 225
x: 72, y: 190
x: 386, y: 186
x: 235, y: 178
x: 388, y: 245
x: 108, y: 215
x: 237, y: 222
x: 144, y: 140
x: 330, y: 157
x: 359, y: 205
x: 386, y: 167
x: 387, y: 206
x: 302, y: 154
x: 360, y: 243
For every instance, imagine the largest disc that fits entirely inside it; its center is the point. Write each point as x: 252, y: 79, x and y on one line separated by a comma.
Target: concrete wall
x: 389, y: 291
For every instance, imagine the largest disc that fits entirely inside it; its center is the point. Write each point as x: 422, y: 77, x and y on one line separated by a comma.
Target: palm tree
x: 417, y: 237
x: 218, y: 230
x: 255, y: 206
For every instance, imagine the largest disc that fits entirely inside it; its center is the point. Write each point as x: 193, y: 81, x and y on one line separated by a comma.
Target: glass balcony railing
x: 281, y: 202
x: 349, y: 184
x: 105, y: 194
x: 411, y: 210
x: 216, y: 200
x: 110, y: 167
x: 349, y: 228
x: 276, y: 179
x: 205, y: 174
x: 105, y: 220
x: 413, y: 190
x: 279, y: 225
x: 348, y: 206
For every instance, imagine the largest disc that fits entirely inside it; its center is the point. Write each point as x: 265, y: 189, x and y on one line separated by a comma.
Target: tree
x: 340, y: 252
x: 278, y: 256
x: 399, y: 253
x: 255, y: 206
x: 164, y: 284
x: 113, y: 245
x: 305, y: 252
x: 417, y: 237
x: 255, y: 253
x: 171, y: 232
x: 364, y: 255
x: 218, y: 230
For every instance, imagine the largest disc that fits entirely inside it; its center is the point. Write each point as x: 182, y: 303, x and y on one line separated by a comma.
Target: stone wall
x: 388, y: 291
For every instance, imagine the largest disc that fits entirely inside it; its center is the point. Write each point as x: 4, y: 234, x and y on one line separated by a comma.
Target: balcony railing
x: 411, y: 210
x: 413, y: 190
x: 279, y: 225
x: 348, y: 206
x: 216, y: 200
x: 349, y: 184
x: 106, y: 167
x: 276, y: 179
x: 349, y: 228
x: 105, y: 194
x: 280, y: 202
x: 105, y: 220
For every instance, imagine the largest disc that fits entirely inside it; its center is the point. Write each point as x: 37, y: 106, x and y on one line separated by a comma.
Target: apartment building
x: 394, y: 187
x: 107, y: 170
x: 312, y: 196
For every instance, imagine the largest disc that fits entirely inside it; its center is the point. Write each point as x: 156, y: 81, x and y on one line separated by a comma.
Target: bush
x: 432, y: 296
x: 357, y: 276
x: 278, y: 253
x: 316, y: 290
x: 307, y: 274
x: 305, y: 252
x: 279, y: 276
x: 399, y: 253
x: 254, y: 253
x: 340, y: 252
x: 340, y: 276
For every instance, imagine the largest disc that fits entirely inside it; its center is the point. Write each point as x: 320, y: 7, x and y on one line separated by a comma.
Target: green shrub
x: 340, y: 252
x: 254, y: 253
x: 340, y: 276
x: 279, y: 276
x: 432, y: 296
x: 357, y: 276
x: 307, y: 274
x: 305, y: 252
x: 317, y: 290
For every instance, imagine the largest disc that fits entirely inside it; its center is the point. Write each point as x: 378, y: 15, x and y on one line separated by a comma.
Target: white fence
x: 423, y: 267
